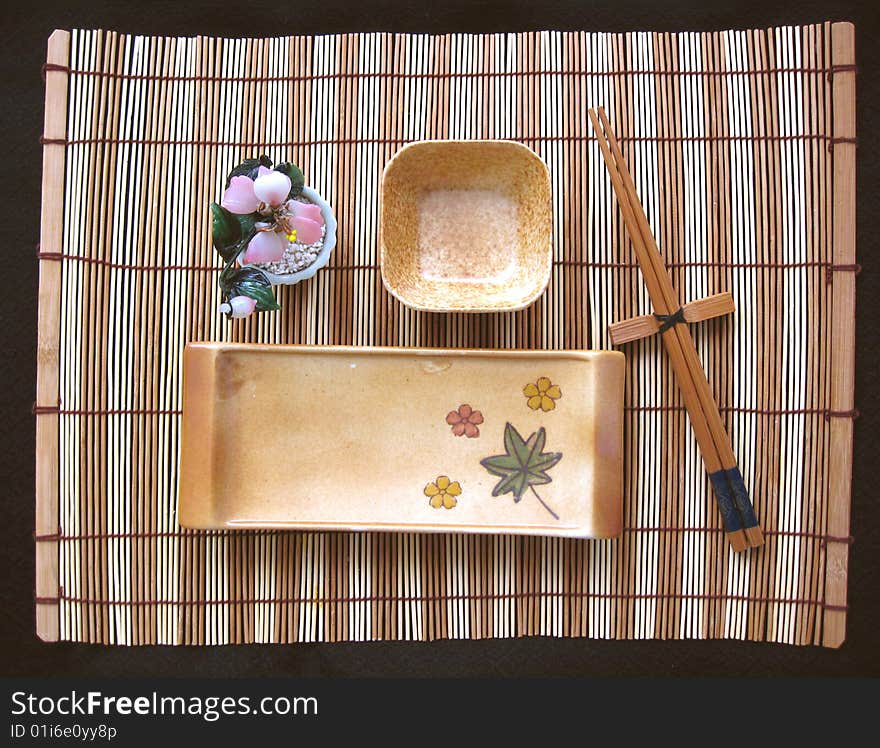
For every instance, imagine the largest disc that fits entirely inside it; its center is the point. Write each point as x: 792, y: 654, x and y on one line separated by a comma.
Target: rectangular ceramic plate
x: 522, y: 442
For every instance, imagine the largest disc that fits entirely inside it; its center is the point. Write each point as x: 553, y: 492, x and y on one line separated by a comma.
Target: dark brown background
x: 24, y: 33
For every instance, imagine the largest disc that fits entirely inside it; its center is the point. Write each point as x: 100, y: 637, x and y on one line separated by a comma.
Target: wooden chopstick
x: 710, y: 407
x: 741, y: 527
x: 732, y: 524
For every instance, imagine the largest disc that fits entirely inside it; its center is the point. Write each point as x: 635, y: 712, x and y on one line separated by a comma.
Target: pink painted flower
x: 241, y: 306
x: 266, y: 246
x: 465, y: 421
x: 240, y: 197
x: 305, y: 220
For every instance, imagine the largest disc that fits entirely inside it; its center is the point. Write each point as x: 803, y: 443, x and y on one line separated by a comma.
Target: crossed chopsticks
x: 738, y: 517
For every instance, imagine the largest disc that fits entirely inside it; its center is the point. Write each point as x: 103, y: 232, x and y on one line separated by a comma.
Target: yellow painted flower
x: 542, y: 394
x: 442, y: 492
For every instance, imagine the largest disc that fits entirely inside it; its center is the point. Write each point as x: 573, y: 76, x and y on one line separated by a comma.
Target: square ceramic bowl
x: 466, y: 226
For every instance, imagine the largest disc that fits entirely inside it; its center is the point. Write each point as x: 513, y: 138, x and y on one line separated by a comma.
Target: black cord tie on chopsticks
x: 667, y: 321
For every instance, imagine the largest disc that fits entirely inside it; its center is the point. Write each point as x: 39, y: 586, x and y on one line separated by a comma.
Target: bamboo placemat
x: 742, y: 146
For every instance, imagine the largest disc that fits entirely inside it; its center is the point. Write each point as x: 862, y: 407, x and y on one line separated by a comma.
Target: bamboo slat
x: 741, y: 148
x: 842, y: 376
x: 48, y: 343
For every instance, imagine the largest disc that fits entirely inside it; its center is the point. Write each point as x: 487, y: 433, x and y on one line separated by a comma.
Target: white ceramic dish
x: 288, y: 279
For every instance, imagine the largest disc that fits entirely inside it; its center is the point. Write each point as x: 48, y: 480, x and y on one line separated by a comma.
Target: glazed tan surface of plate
x: 384, y: 439
x: 466, y: 226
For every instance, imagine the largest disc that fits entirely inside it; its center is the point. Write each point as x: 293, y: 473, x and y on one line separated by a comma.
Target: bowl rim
x: 330, y: 226
x: 548, y: 271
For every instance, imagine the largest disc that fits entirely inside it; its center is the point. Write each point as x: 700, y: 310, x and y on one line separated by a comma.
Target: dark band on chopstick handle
x: 741, y: 498
x: 668, y: 321
x: 732, y: 495
x: 730, y: 517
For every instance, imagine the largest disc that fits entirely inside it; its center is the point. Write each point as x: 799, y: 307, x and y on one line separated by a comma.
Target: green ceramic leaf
x: 297, y: 180
x: 248, y: 281
x: 225, y: 231
x: 524, y: 464
x: 246, y: 224
x: 242, y: 229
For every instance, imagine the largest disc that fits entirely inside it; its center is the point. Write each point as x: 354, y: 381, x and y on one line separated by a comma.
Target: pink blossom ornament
x: 272, y: 187
x: 239, y: 197
x: 307, y: 221
x: 241, y: 306
x: 266, y: 246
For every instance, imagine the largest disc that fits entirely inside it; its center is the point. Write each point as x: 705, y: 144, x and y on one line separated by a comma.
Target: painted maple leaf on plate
x: 523, y: 466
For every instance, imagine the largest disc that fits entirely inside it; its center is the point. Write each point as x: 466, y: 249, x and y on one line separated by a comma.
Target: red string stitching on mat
x: 834, y: 69
x: 448, y: 598
x: 828, y: 414
x: 118, y: 265
x: 172, y: 534
x: 825, y: 412
x: 828, y: 606
x: 49, y: 255
x: 705, y: 264
x: 832, y: 269
x: 56, y: 536
x: 828, y: 267
x: 54, y: 67
x: 41, y: 410
x: 823, y: 539
x: 116, y: 412
x: 835, y: 141
x: 853, y: 414
x: 49, y: 600
x: 846, y: 539
x: 402, y: 141
x: 226, y: 534
x: 133, y: 266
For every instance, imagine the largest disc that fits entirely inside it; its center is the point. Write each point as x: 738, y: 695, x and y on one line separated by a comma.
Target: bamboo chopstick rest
x: 646, y: 325
x: 669, y: 320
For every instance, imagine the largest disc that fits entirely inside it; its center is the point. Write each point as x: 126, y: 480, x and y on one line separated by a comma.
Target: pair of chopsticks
x: 738, y: 517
